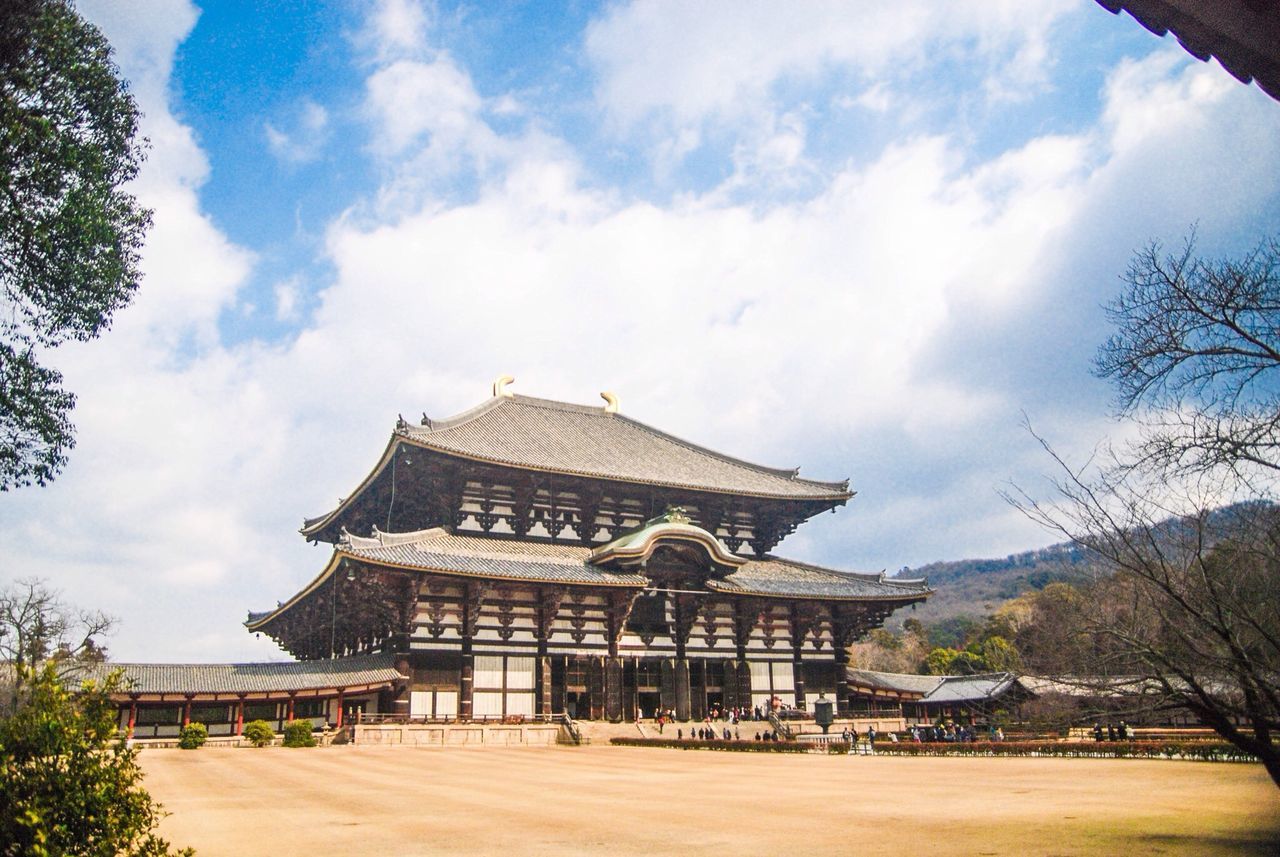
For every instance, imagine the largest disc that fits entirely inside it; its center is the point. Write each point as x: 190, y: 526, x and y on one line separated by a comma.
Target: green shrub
x: 1206, y: 751
x: 259, y: 733
x: 297, y: 733
x: 193, y: 736
x: 91, y: 799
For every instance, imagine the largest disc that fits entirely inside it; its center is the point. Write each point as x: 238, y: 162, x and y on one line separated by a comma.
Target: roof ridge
x: 367, y: 656
x: 877, y: 576
x: 906, y: 675
x: 456, y: 420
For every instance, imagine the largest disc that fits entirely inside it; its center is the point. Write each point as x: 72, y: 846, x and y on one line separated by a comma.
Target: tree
x: 1185, y: 610
x: 37, y: 627
x: 70, y: 783
x: 70, y: 235
x: 1195, y: 357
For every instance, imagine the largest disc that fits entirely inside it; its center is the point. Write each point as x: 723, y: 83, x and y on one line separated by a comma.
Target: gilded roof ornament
x: 500, y: 390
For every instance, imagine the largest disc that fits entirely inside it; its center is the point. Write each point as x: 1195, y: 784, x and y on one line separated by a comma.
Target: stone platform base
x: 459, y: 735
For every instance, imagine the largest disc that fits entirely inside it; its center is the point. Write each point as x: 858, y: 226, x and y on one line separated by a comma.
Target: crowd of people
x: 716, y: 726
x: 1112, y: 732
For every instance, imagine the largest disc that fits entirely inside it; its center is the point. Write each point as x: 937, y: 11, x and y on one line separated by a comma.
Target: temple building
x: 531, y: 557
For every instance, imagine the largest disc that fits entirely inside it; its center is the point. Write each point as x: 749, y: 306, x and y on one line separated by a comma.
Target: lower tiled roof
x: 937, y: 688
x: 784, y: 578
x: 274, y: 677
x: 474, y: 556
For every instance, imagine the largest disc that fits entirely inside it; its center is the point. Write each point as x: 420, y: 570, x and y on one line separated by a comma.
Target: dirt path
x: 625, y: 801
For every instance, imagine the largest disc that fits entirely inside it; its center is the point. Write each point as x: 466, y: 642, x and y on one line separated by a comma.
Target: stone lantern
x: 823, y: 713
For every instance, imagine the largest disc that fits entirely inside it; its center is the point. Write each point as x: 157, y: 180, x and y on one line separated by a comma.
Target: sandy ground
x: 624, y: 801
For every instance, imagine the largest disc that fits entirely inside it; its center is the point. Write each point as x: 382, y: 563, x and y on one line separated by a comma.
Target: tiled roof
x: 899, y: 682
x: 439, y: 550
x: 971, y: 688
x: 586, y: 441
x: 782, y: 577
x: 1243, y: 35
x: 937, y: 688
x: 253, y: 678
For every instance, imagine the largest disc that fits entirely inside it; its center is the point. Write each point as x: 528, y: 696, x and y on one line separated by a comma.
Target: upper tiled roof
x: 580, y: 440
x: 279, y: 677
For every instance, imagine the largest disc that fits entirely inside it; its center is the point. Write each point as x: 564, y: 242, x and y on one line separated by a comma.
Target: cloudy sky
x: 863, y: 238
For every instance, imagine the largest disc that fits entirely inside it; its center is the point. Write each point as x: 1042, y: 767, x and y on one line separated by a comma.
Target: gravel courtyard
x: 624, y: 801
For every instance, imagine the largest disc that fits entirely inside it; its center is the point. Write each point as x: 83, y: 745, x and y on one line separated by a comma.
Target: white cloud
x: 397, y: 29
x: 411, y: 100
x: 721, y: 60
x: 306, y: 140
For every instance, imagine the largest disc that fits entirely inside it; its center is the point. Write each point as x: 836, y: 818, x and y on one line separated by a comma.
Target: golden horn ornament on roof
x: 500, y: 387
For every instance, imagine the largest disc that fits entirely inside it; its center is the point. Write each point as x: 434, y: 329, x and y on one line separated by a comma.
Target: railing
x: 873, y: 714
x: 505, y: 720
x: 778, y: 726
x: 570, y: 727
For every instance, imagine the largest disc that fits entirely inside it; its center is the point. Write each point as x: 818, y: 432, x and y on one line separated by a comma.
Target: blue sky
x: 860, y: 238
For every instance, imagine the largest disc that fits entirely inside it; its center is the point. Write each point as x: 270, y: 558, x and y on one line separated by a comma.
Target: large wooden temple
x: 531, y: 557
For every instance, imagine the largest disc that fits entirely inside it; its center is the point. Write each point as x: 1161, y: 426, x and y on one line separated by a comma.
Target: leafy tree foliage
x: 37, y: 627
x: 70, y: 236
x: 70, y: 784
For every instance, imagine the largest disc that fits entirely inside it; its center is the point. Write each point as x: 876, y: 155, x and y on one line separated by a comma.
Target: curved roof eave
x: 903, y: 600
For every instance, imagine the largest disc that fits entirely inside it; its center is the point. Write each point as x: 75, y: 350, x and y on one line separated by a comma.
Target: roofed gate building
x: 533, y: 557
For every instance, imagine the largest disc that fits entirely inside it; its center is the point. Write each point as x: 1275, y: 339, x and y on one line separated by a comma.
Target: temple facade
x: 531, y: 557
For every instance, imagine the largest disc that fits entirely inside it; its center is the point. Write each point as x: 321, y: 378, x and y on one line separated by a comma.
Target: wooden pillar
x: 559, y: 698
x: 133, y: 714
x: 595, y: 687
x: 682, y: 688
x: 613, y: 689
x: 186, y: 712
x: 842, y: 679
x: 801, y: 624
x: 729, y: 682
x: 668, y: 687
x: 289, y: 716
x: 744, y: 685
x: 474, y: 600
x: 341, y: 701
x: 240, y: 716
x: 697, y: 688
x: 542, y: 678
x: 398, y: 696
x: 467, y: 686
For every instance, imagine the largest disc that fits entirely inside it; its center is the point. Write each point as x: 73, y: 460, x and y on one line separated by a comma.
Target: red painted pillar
x: 186, y: 712
x: 340, y: 701
x: 290, y: 717
x: 240, y: 716
x: 133, y: 715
